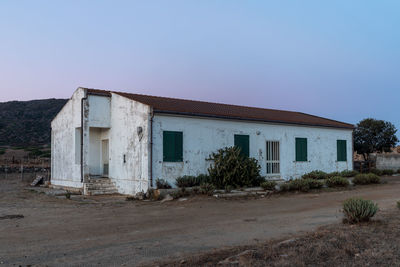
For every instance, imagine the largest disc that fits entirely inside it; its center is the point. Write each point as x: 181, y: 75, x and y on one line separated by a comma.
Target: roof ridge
x: 202, y: 101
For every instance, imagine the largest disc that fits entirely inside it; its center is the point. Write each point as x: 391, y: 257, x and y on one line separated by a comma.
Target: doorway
x: 105, y: 157
x: 273, y: 158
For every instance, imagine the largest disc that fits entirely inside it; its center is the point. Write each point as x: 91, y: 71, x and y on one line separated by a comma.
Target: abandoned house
x: 124, y: 142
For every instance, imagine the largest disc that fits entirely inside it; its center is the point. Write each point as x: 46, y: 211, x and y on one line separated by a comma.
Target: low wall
x: 388, y: 161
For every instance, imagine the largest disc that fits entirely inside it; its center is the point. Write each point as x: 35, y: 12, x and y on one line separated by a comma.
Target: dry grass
x: 374, y: 244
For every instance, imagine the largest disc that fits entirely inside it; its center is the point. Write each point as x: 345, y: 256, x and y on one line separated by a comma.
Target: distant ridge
x: 27, y: 123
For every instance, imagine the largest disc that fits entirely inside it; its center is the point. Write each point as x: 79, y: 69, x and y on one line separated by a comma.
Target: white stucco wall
x: 64, y: 171
x: 126, y: 116
x: 118, y: 119
x: 203, y: 136
x: 387, y: 161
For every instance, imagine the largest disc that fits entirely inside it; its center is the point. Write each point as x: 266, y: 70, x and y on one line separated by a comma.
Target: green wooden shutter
x: 178, y: 146
x: 243, y: 142
x: 301, y: 149
x: 341, y: 150
x: 172, y: 146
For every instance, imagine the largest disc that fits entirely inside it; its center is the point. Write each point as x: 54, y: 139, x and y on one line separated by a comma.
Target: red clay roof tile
x: 200, y: 108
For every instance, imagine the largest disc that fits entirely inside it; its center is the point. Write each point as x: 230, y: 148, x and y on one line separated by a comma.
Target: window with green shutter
x: 341, y: 150
x: 242, y: 142
x: 172, y: 146
x: 301, y: 149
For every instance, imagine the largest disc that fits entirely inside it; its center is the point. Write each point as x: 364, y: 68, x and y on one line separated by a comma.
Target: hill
x: 27, y: 123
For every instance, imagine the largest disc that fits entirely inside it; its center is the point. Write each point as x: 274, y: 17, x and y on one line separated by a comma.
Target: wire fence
x: 25, y: 173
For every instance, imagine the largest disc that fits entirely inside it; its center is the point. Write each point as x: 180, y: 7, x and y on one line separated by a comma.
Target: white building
x: 130, y: 140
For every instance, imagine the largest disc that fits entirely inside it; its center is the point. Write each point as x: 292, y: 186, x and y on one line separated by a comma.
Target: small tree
x: 373, y: 135
x: 230, y: 168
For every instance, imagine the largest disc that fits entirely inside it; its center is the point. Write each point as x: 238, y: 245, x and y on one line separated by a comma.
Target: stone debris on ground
x: 167, y: 198
x: 242, y: 259
x: 37, y: 181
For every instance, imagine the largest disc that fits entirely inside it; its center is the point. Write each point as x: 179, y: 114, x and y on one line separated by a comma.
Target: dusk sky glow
x: 336, y: 59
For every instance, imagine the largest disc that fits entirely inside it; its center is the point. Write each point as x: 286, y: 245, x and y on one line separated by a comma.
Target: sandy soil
x: 112, y: 231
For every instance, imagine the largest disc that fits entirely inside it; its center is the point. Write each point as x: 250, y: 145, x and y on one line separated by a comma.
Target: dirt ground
x: 112, y: 231
x: 375, y: 243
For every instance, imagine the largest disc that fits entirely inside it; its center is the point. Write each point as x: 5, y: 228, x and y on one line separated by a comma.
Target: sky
x: 337, y: 59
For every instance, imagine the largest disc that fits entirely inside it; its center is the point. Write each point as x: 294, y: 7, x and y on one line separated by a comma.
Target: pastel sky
x: 338, y: 59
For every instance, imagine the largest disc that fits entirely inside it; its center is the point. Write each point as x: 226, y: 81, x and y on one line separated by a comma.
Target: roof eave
x: 349, y: 127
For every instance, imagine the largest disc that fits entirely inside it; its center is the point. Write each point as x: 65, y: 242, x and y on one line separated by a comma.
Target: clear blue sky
x: 338, y: 59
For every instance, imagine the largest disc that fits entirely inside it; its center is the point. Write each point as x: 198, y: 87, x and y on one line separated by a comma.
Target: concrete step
x: 100, y: 186
x: 102, y: 192
x: 99, y: 181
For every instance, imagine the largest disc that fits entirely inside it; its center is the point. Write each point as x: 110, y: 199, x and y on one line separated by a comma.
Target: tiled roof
x: 207, y: 109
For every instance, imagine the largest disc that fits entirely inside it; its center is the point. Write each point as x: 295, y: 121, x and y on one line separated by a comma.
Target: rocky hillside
x: 27, y: 123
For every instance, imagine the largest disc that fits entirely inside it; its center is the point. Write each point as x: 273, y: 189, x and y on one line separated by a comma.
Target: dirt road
x: 112, y: 231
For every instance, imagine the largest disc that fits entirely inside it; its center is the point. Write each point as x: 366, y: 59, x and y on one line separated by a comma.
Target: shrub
x: 284, y: 187
x: 315, y: 175
x: 337, y: 181
x: 303, y: 185
x: 207, y: 189
x: 190, y: 181
x: 398, y: 204
x: 180, y: 193
x: 373, y: 179
x: 333, y: 174
x: 268, y: 185
x: 359, y: 210
x: 348, y: 173
x: 314, y: 184
x: 162, y: 184
x: 387, y: 172
x: 299, y: 185
x: 228, y: 188
x: 369, y: 178
x: 376, y: 171
x: 231, y: 168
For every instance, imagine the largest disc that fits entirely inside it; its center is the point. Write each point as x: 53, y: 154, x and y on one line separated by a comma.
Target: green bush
x: 374, y: 179
x: 268, y: 185
x: 231, y: 168
x: 337, y: 181
x: 303, y: 185
x: 398, y: 204
x: 359, y: 210
x: 207, y: 189
x: 314, y: 184
x: 348, y: 173
x: 317, y: 175
x: 333, y: 174
x: 182, y: 192
x: 370, y: 178
x: 377, y: 172
x: 387, y: 172
x: 284, y: 187
x: 162, y: 184
x: 190, y: 181
x: 228, y: 189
